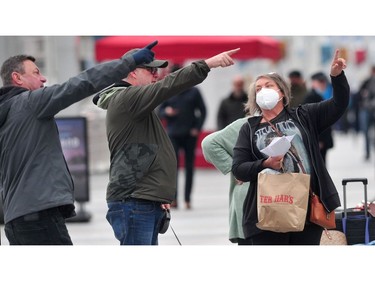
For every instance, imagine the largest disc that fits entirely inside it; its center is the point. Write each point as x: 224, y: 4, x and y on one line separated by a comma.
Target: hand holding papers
x: 278, y: 146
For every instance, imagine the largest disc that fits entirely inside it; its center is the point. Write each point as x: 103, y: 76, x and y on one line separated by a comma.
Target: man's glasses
x: 152, y: 70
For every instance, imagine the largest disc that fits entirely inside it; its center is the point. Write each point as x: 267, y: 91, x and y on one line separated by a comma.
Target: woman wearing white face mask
x: 269, y: 96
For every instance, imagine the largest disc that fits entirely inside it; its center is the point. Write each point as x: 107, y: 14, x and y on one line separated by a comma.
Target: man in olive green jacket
x: 143, y: 172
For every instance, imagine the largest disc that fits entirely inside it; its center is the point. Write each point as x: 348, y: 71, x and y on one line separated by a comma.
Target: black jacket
x: 191, y: 112
x: 326, y: 136
x: 231, y: 109
x: 312, y: 119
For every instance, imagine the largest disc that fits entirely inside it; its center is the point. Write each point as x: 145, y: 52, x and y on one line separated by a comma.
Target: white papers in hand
x: 279, y: 146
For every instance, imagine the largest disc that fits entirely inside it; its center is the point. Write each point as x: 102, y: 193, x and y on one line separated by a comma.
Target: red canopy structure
x: 180, y: 48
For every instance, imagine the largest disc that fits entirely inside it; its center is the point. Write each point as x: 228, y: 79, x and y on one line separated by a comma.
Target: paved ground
x: 207, y: 222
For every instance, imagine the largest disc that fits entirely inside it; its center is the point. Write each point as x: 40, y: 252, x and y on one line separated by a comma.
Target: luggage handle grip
x: 363, y: 180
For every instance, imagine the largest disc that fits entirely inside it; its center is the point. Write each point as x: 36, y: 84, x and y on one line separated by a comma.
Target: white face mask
x: 267, y: 98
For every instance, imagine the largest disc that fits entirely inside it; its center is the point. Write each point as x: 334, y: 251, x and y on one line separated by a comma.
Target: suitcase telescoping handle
x: 364, y: 181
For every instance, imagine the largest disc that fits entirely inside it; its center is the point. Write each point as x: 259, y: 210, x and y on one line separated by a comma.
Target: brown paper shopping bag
x: 282, y: 201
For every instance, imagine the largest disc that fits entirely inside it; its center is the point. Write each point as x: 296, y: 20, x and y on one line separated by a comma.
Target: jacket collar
x: 95, y: 99
x: 8, y: 92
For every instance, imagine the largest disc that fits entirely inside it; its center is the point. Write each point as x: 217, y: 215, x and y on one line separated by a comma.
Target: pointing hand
x: 145, y: 55
x: 223, y: 59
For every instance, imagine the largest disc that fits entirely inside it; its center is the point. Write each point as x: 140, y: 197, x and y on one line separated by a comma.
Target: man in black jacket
x: 232, y: 107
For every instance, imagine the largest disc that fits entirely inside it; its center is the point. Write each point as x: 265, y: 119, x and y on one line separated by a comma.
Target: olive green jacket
x: 143, y: 161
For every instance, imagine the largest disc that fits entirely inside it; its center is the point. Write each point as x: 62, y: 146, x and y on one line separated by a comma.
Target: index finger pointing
x: 231, y: 52
x: 151, y: 45
x: 336, y: 55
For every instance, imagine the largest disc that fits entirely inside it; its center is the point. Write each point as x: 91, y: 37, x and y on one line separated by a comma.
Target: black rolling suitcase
x: 358, y: 225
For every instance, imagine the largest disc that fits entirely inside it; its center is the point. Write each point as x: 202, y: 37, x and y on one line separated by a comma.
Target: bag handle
x: 296, y: 156
x: 273, y: 126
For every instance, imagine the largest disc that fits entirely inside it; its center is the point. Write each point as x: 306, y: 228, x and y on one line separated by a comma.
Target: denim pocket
x: 116, y: 218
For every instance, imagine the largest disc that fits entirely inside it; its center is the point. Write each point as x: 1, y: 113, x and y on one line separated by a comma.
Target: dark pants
x: 45, y: 227
x: 187, y: 144
x: 311, y: 235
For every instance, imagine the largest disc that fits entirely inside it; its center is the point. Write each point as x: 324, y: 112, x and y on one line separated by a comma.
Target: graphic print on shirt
x: 265, y: 134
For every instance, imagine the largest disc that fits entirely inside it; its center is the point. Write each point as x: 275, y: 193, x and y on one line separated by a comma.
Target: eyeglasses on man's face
x: 152, y: 70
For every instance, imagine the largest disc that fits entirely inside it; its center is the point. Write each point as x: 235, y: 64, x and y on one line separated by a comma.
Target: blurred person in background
x: 367, y: 110
x: 297, y: 87
x: 184, y: 115
x: 231, y: 108
x: 321, y: 85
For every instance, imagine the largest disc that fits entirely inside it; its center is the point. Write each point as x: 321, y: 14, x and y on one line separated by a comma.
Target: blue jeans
x: 46, y: 227
x: 135, y: 221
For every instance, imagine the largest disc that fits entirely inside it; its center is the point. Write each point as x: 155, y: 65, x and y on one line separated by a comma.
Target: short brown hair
x: 14, y: 63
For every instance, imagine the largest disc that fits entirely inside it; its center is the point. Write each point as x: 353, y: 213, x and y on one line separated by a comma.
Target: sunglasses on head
x: 152, y: 70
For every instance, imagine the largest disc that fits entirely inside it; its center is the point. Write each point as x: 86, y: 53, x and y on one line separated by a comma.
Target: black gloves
x: 145, y: 55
